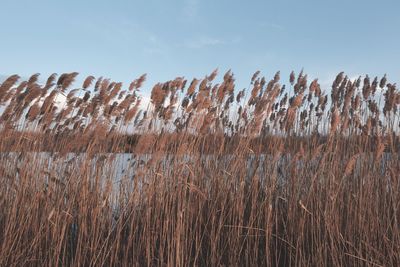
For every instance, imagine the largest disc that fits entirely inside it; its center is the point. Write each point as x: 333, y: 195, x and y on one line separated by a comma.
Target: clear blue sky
x: 123, y: 39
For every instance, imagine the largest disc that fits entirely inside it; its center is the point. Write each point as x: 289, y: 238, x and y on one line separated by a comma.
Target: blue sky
x: 123, y: 39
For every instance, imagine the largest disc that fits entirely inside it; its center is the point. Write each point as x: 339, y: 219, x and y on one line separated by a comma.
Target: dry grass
x: 283, y: 177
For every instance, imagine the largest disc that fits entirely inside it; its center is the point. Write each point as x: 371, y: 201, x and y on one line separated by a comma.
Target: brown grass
x: 279, y: 177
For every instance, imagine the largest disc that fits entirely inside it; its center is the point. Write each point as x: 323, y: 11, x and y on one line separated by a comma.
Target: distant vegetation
x: 269, y: 175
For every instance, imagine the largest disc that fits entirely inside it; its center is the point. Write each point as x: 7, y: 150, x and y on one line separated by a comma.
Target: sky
x: 123, y: 39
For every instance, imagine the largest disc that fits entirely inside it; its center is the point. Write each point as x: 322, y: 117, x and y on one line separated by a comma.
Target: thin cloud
x: 124, y: 32
x: 272, y: 25
x: 190, y: 9
x: 203, y: 41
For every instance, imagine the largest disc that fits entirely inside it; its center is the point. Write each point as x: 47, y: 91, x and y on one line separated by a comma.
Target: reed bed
x: 205, y: 175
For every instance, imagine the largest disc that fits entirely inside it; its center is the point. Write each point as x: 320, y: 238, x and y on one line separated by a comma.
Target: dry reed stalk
x: 88, y: 81
x: 335, y: 121
x: 132, y: 112
x: 192, y: 87
x: 292, y: 78
x: 33, y: 112
x: 7, y: 84
x: 380, y: 149
x: 137, y: 83
x: 351, y: 164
